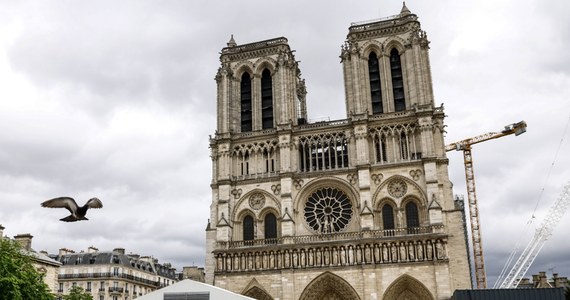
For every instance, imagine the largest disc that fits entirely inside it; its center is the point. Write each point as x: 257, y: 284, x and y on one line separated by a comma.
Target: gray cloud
x: 117, y: 100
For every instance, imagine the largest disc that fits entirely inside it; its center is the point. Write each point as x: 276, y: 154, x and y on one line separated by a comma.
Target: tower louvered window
x: 397, y: 81
x: 388, y: 217
x: 245, y: 93
x: 266, y: 100
x: 375, y: 85
x: 248, y: 228
x: 270, y: 223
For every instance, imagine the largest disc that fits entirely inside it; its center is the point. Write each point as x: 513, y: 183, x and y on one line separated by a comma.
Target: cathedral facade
x: 358, y: 208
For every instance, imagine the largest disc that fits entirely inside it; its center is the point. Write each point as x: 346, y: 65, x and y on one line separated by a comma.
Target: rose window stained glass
x: 328, y: 210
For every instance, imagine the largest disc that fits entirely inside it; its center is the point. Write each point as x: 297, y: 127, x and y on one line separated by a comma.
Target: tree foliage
x: 19, y: 279
x: 77, y: 293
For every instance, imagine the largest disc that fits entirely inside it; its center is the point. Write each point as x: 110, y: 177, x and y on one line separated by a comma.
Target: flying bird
x: 77, y: 213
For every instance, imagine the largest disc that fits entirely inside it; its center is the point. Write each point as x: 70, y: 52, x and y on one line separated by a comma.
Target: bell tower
x: 386, y: 66
x: 259, y: 87
x: 358, y: 208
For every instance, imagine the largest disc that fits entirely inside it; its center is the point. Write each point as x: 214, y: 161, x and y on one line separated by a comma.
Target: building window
x: 328, y: 210
x: 323, y: 152
x: 269, y: 158
x: 102, y: 286
x: 270, y: 224
x: 375, y: 84
x: 412, y: 217
x: 380, y: 148
x: 60, y: 289
x: 88, y: 289
x: 266, y: 100
x: 387, y: 217
x: 248, y: 229
x: 404, y: 146
x: 397, y: 80
x: 246, y: 113
x: 244, y: 163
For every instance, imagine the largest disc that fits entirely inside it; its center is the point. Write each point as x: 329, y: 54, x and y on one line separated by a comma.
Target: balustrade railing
x: 341, y: 236
x: 398, y: 249
x: 114, y: 289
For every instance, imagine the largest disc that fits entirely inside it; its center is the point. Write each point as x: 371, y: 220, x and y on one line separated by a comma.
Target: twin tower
x: 358, y: 208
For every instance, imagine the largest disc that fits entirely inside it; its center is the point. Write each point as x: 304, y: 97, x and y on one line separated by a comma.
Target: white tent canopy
x: 192, y: 290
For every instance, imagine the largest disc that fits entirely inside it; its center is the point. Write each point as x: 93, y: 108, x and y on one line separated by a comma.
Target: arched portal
x: 407, y: 288
x: 328, y: 286
x: 257, y: 293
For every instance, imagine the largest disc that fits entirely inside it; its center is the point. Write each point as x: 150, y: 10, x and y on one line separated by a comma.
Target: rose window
x: 328, y: 210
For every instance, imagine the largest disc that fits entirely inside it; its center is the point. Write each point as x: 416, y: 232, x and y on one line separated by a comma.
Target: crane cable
x: 529, y: 222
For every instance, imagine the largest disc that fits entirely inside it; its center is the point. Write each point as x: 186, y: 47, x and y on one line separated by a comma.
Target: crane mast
x: 542, y: 234
x: 465, y: 146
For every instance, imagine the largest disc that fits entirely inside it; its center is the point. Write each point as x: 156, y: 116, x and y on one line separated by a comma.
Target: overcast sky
x: 116, y: 99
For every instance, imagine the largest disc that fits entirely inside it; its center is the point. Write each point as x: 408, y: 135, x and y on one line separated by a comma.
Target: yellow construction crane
x: 465, y: 146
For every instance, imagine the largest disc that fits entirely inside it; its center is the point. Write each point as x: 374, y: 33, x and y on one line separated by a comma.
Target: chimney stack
x: 25, y: 240
x: 64, y: 251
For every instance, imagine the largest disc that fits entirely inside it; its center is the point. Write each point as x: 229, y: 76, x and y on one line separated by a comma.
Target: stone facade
x: 359, y: 208
x: 111, y: 275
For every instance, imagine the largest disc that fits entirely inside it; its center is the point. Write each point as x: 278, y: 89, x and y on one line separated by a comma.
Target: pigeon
x: 77, y: 213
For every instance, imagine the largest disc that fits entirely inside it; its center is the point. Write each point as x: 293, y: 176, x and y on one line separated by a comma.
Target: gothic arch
x: 394, y: 42
x: 242, y: 67
x: 379, y: 216
x: 265, y: 63
x: 421, y: 209
x: 371, y: 46
x: 242, y: 205
x: 256, y: 291
x: 413, y: 190
x: 329, y: 286
x: 407, y: 288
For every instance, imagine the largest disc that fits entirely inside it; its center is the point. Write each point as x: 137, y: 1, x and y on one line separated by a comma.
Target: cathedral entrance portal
x: 328, y: 286
x: 407, y: 288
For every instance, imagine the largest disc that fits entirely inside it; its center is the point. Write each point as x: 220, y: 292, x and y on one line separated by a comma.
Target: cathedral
x: 357, y: 208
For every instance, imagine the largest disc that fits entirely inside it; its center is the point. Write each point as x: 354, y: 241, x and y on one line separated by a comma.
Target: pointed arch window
x: 266, y: 99
x: 404, y: 146
x: 245, y: 101
x: 380, y: 148
x: 412, y: 217
x: 375, y: 85
x: 387, y: 217
x: 397, y: 80
x: 270, y: 226
x: 248, y: 228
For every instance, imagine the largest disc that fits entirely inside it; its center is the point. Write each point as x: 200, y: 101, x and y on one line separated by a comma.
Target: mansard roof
x: 116, y: 258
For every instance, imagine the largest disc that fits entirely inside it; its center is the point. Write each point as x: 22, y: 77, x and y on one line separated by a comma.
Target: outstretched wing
x: 65, y: 202
x: 94, y: 203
